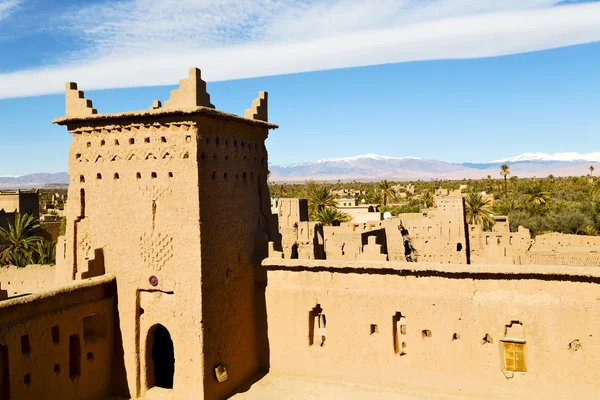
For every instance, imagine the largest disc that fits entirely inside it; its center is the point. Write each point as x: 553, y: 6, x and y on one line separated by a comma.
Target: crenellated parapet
x: 76, y: 103
x: 190, y: 93
x: 259, y: 109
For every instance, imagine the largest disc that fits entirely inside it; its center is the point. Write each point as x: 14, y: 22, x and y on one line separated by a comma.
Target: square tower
x: 174, y: 202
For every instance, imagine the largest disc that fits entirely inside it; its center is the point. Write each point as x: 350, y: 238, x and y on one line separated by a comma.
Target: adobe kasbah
x: 179, y: 277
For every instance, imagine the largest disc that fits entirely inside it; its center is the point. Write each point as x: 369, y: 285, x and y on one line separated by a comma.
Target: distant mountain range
x: 33, y: 180
x: 376, y: 167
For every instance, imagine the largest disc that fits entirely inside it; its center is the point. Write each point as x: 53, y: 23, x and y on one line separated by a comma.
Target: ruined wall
x: 519, y: 332
x: 31, y: 279
x: 58, y: 344
x: 295, y: 235
x: 499, y: 247
x: 439, y: 235
x: 346, y: 242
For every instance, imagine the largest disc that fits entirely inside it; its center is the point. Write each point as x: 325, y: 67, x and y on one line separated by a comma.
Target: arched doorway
x: 161, y: 358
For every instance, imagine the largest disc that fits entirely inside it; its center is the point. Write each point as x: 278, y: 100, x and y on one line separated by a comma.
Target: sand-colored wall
x: 234, y: 218
x: 134, y: 212
x: 50, y: 230
x: 452, y: 320
x: 553, y: 241
x: 571, y: 258
x: 58, y: 344
x: 499, y: 247
x: 183, y: 199
x: 31, y: 279
x: 20, y: 202
x: 292, y: 232
x: 346, y: 242
x: 439, y: 235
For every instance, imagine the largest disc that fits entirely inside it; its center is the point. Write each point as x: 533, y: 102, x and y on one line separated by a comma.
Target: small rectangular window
x: 514, y: 356
x: 74, y: 356
x: 25, y: 346
x: 55, y: 334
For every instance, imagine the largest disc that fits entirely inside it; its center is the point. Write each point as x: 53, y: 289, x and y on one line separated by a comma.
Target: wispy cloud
x: 152, y: 42
x: 7, y: 7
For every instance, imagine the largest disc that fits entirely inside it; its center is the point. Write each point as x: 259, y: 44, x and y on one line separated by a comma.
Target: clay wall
x: 50, y: 230
x: 174, y: 202
x: 134, y: 212
x: 292, y: 232
x: 58, y: 344
x: 519, y: 332
x: 574, y: 258
x: 499, y: 247
x: 234, y: 218
x: 21, y: 202
x: 31, y: 279
x: 553, y: 241
x: 562, y: 249
x: 346, y: 242
x: 439, y: 235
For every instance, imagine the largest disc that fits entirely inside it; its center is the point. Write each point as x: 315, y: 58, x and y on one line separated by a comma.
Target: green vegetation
x: 505, y: 171
x: 46, y: 202
x: 319, y: 197
x: 386, y: 190
x: 330, y: 216
x: 543, y: 205
x: 20, y: 244
x: 479, y: 210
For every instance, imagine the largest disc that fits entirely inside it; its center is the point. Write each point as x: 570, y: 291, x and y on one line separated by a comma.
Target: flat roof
x: 163, y: 112
x: 424, y: 269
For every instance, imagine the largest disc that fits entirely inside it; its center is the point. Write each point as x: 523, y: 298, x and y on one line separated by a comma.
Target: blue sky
x: 453, y: 80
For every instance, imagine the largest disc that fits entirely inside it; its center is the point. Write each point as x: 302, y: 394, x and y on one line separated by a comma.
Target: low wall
x: 30, y: 279
x: 571, y: 258
x: 486, y: 331
x: 50, y: 230
x: 58, y: 344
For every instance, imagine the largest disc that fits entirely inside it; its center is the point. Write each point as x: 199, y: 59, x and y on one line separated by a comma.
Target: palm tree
x: 479, y: 210
x: 506, y: 206
x: 372, y: 197
x: 427, y: 199
x: 44, y: 252
x: 319, y: 197
x: 329, y: 216
x: 537, y: 196
x: 505, y: 171
x: 592, y: 170
x: 386, y: 190
x: 20, y: 239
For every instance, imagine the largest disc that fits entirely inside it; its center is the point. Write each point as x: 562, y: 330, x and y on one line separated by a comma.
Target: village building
x: 18, y: 201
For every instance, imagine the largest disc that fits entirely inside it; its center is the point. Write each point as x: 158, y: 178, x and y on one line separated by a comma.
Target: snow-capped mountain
x: 375, y: 167
x: 569, y: 157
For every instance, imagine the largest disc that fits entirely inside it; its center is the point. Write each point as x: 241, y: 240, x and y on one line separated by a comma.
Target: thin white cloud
x: 7, y: 7
x: 153, y: 42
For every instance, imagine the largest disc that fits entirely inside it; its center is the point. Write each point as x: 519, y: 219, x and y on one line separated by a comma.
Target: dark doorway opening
x: 4, y: 374
x: 163, y: 358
